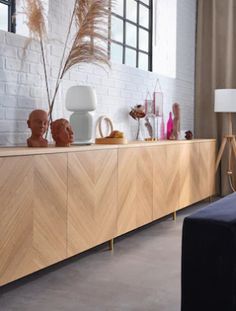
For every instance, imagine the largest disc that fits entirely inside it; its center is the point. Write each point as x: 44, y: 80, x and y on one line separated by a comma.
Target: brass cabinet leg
x: 174, y: 216
x: 210, y: 199
x: 111, y: 244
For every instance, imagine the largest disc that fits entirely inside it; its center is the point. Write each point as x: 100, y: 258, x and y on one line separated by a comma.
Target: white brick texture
x: 22, y: 86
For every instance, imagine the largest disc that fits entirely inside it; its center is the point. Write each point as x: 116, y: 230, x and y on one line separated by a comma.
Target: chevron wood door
x: 144, y: 195
x: 50, y: 209
x: 127, y: 189
x: 135, y: 188
x: 92, y: 199
x: 166, y: 187
x: 16, y: 220
x: 207, y: 160
x: 190, y: 167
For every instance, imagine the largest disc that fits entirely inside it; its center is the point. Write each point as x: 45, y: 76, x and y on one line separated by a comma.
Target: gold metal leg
x: 174, y: 216
x: 111, y: 245
x: 210, y: 199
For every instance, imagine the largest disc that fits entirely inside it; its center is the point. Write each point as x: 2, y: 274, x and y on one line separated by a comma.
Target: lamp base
x: 230, y: 140
x: 81, y: 143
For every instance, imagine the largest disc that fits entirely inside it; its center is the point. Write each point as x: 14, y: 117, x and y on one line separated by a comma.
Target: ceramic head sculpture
x: 62, y: 133
x: 82, y: 101
x: 38, y: 123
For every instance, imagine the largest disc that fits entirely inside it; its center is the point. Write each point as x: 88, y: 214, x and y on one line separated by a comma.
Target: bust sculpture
x: 62, y: 133
x: 38, y: 123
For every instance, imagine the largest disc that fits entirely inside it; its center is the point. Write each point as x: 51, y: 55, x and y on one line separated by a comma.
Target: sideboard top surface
x: 23, y: 150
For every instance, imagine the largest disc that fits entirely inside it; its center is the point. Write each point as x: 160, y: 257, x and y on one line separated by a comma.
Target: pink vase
x: 170, y: 126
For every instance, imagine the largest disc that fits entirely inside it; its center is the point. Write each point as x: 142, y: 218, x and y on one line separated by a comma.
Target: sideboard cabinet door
x: 50, y: 209
x: 190, y: 182
x: 16, y: 218
x: 207, y: 161
x: 92, y: 199
x: 135, y: 188
x: 166, y: 186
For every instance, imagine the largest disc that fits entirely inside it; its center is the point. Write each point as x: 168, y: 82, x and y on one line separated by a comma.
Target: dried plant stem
x: 66, y: 42
x: 61, y: 71
x: 45, y: 71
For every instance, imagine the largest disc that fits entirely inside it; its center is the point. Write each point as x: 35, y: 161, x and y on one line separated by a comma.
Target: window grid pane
x: 7, y: 10
x: 131, y: 10
x: 136, y: 39
x: 130, y: 57
x: 116, y: 53
x: 3, y: 17
x: 116, y: 29
x: 131, y: 35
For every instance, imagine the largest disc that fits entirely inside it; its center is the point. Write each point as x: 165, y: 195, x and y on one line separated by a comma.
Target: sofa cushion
x: 209, y: 258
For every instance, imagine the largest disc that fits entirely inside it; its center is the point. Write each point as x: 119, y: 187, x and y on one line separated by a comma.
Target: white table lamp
x: 225, y: 101
x: 82, y: 100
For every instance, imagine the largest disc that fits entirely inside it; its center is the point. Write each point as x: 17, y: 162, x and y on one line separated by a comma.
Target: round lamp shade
x: 225, y: 100
x: 81, y: 98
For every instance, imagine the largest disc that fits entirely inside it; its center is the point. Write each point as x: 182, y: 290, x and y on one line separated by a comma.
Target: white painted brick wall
x: 22, y: 86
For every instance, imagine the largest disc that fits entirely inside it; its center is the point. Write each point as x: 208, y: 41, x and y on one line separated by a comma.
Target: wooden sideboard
x: 59, y: 202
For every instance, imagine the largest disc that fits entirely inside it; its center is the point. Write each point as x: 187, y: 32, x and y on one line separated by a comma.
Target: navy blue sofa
x: 209, y: 258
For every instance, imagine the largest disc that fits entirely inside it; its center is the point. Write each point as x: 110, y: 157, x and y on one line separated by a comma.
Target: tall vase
x: 139, y: 133
x: 169, y: 126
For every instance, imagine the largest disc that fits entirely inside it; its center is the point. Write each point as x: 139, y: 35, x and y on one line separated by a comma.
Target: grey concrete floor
x: 141, y: 274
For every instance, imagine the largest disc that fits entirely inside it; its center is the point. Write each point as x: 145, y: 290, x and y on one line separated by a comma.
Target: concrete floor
x: 142, y: 274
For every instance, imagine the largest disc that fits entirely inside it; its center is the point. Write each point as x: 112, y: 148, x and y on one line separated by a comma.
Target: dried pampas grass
x: 91, y: 19
x: 35, y: 14
x: 35, y: 18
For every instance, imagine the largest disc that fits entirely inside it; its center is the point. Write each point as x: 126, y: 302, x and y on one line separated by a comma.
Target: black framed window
x: 131, y: 33
x: 7, y: 11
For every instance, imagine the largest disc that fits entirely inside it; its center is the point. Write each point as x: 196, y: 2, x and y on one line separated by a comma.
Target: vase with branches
x: 91, y: 20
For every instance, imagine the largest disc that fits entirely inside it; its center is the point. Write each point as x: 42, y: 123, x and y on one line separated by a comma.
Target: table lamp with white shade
x: 225, y: 101
x: 82, y: 100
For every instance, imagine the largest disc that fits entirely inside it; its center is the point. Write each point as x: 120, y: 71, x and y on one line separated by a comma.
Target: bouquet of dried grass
x: 91, y: 19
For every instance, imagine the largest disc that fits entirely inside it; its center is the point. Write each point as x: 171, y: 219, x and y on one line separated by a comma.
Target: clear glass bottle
x: 151, y: 121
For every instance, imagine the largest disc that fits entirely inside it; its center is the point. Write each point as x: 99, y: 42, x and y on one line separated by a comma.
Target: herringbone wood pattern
x: 166, y: 180
x: 127, y: 189
x: 207, y: 160
x: 135, y: 188
x: 37, y: 192
x: 190, y: 186
x: 50, y: 209
x: 144, y: 195
x: 92, y: 199
x: 16, y: 218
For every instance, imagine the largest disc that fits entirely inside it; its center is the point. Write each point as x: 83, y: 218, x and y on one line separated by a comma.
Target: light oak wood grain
x: 207, y: 160
x: 166, y: 192
x: 33, y: 209
x: 21, y: 151
x: 16, y: 218
x: 54, y: 206
x: 190, y: 185
x: 50, y: 209
x: 127, y: 190
x: 92, y: 199
x: 144, y: 195
x: 135, y: 188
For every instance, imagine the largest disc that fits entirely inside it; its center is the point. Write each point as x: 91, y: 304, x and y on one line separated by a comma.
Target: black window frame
x: 11, y: 13
x: 137, y: 24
